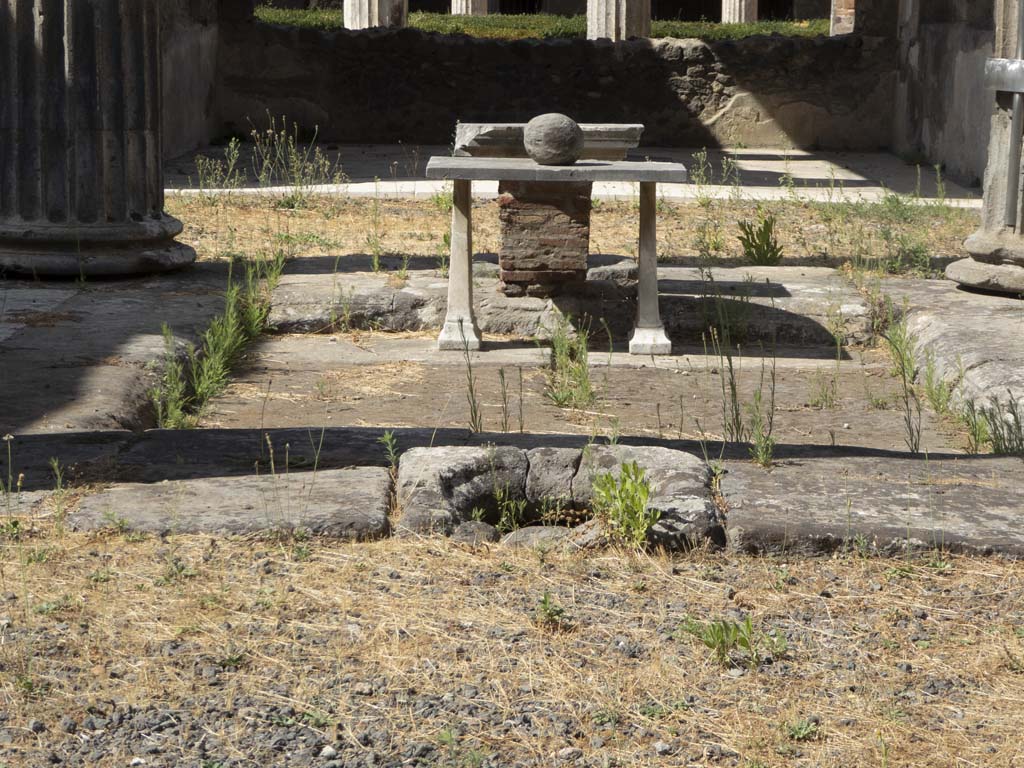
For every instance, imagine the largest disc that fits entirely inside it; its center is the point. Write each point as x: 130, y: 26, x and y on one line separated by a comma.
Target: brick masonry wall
x: 545, y: 235
x: 410, y: 86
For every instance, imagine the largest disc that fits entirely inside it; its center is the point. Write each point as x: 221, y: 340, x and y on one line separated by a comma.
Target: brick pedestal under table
x: 81, y: 180
x: 460, y: 328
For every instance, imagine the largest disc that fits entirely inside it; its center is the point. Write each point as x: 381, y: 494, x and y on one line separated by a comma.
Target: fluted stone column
x: 618, y: 19
x: 362, y: 14
x: 739, y: 11
x: 469, y: 7
x: 81, y: 178
x: 997, y: 248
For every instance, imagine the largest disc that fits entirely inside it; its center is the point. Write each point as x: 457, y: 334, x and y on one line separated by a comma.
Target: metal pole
x: 1016, y: 134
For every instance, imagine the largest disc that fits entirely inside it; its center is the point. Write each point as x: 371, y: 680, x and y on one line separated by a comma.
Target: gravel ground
x: 117, y: 650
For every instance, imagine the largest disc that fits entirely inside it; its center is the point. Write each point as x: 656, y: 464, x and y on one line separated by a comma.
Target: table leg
x: 460, y: 329
x: 649, y: 333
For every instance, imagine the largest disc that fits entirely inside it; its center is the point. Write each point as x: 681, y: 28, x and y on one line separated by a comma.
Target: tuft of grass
x: 189, y: 381
x: 569, y: 384
x: 760, y: 245
x: 1004, y: 425
x: 476, y: 419
x: 281, y: 158
x: 622, y: 502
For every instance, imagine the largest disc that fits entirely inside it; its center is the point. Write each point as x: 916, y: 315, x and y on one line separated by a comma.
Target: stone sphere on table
x: 553, y: 139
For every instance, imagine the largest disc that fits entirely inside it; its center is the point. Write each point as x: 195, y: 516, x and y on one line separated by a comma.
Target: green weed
x: 760, y: 244
x: 622, y: 502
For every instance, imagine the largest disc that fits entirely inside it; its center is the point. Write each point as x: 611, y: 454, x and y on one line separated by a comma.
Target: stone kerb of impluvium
x: 81, y: 178
x: 617, y: 20
x: 465, y: 491
x: 364, y: 14
x: 997, y: 248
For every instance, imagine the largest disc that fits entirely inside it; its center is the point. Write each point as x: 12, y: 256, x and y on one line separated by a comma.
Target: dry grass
x: 810, y: 233
x: 376, y: 647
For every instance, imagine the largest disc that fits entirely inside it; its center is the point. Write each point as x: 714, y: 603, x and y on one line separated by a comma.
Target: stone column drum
x: 618, y: 19
x: 363, y: 14
x: 81, y: 179
x: 469, y: 7
x: 739, y: 11
x: 997, y: 248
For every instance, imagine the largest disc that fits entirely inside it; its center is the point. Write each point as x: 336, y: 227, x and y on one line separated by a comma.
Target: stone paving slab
x: 786, y: 304
x: 84, y: 357
x: 344, y: 503
x: 976, y: 340
x: 815, y: 505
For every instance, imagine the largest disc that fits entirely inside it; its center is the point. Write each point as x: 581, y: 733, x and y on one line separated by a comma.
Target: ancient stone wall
x: 410, y: 86
x: 189, y: 43
x: 942, y: 106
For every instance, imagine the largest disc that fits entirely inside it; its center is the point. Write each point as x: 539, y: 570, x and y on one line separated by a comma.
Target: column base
x: 649, y: 341
x: 1000, y: 278
x: 458, y: 336
x: 38, y: 260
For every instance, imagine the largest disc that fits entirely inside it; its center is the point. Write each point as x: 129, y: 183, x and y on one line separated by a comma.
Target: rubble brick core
x: 545, y: 236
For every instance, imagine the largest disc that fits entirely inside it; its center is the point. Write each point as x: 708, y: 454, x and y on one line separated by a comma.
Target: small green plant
x: 938, y: 392
x: 761, y: 413
x: 511, y: 510
x: 622, y: 501
x: 442, y: 200
x: 976, y: 425
x: 732, y: 641
x: 804, y: 730
x: 760, y: 244
x: 390, y: 443
x: 901, y: 349
x: 1004, y: 422
x: 569, y: 384
x: 476, y: 419
x: 550, y: 615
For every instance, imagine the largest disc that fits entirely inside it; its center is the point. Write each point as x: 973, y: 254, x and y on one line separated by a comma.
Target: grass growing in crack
x: 938, y: 392
x: 569, y: 384
x: 901, y: 349
x: 622, y: 502
x: 1004, y: 425
x: 390, y: 444
x: 734, y: 428
x: 761, y: 413
x: 760, y: 245
x: 476, y: 419
x: 976, y: 426
x: 189, y: 382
